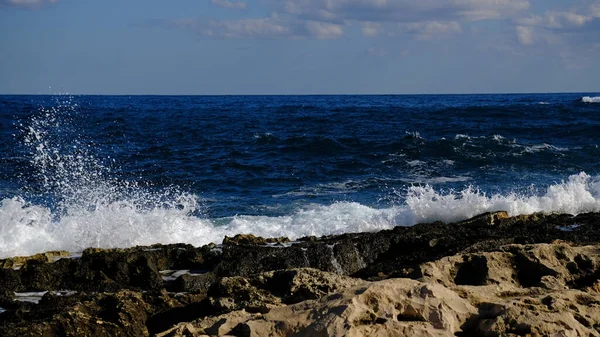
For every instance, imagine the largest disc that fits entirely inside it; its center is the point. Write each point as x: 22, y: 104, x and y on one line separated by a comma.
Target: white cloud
x: 230, y: 4
x: 27, y: 3
x: 370, y: 28
x: 557, y: 20
x: 525, y: 35
x: 425, y: 19
x: 326, y: 19
x: 555, y: 26
x: 402, y: 10
x: 271, y: 27
x: 322, y: 30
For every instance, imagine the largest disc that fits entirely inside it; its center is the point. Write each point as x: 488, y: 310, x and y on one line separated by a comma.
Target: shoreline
x: 254, y: 285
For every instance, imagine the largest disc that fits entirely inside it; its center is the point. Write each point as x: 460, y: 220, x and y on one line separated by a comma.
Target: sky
x: 206, y: 47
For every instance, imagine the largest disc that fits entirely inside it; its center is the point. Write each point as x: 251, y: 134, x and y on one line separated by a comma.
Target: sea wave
x: 27, y: 228
x: 588, y: 99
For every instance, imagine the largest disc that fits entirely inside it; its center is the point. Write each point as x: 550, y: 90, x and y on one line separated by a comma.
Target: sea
x: 120, y: 171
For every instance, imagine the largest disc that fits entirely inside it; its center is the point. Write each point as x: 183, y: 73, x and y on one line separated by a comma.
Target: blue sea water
x: 117, y: 171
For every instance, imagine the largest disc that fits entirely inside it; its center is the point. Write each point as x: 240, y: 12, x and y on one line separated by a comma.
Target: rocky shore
x: 492, y: 275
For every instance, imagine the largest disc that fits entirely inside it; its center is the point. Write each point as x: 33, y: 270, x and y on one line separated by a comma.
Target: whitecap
x: 588, y: 99
x: 415, y: 162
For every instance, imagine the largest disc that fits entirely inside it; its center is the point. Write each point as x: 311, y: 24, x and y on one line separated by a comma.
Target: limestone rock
x: 385, y: 308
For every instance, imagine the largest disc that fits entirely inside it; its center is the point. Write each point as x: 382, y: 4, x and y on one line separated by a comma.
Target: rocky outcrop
x: 385, y: 308
x: 18, y: 261
x: 491, y: 275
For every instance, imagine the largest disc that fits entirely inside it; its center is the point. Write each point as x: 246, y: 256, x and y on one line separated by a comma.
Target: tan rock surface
x: 521, y: 290
x: 385, y: 308
x: 18, y: 261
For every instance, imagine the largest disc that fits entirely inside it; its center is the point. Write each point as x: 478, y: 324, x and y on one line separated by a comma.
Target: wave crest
x: 588, y: 99
x: 29, y: 229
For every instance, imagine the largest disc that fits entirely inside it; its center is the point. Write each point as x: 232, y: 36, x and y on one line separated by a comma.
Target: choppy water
x: 117, y: 171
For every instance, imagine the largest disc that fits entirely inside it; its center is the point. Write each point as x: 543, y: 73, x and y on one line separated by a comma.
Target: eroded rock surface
x: 491, y: 275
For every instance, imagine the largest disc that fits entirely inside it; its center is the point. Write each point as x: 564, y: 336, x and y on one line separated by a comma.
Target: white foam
x: 542, y: 147
x: 588, y: 99
x: 31, y: 297
x: 444, y: 180
x: 415, y: 162
x: 29, y: 229
x: 413, y: 134
x: 580, y: 193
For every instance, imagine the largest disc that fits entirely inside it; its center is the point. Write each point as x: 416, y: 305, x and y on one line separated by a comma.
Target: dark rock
x: 113, y: 270
x: 249, y: 239
x: 198, y: 283
x: 38, y: 275
x: 10, y: 280
x: 248, y: 260
x: 119, y: 314
x: 474, y: 271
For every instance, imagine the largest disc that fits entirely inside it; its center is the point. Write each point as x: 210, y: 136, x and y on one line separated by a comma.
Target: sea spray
x: 28, y: 229
x: 89, y: 206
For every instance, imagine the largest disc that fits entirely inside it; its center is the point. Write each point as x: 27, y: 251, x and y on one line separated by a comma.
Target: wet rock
x: 113, y: 270
x: 249, y: 239
x: 10, y: 280
x: 247, y: 260
x: 37, y: 275
x: 485, y: 219
x: 119, y: 314
x: 7, y: 298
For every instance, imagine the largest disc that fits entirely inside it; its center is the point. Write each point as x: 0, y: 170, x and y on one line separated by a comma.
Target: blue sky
x: 298, y: 47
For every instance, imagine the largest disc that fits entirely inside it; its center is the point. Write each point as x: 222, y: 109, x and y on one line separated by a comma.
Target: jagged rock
x: 518, y: 290
x: 237, y: 293
x: 399, y: 307
x: 119, y: 314
x: 10, y: 280
x: 249, y: 239
x: 38, y: 275
x: 485, y: 219
x: 298, y: 285
x: 550, y: 266
x: 247, y: 260
x: 193, y: 283
x: 114, y: 270
x: 19, y: 261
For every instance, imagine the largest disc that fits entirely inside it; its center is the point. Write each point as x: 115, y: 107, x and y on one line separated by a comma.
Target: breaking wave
x: 27, y: 228
x: 588, y: 99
